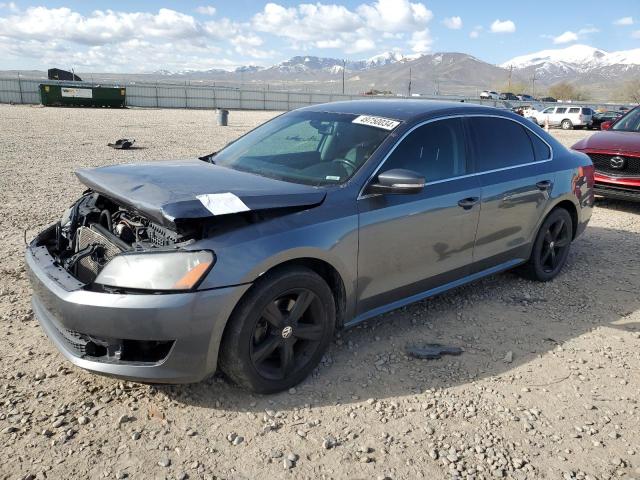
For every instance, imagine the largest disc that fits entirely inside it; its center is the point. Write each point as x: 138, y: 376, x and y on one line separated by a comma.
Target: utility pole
x: 533, y: 85
x: 344, y: 66
x: 409, y: 89
x: 510, y: 73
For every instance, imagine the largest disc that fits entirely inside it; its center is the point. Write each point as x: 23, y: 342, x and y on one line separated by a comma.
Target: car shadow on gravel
x: 618, y: 205
x: 501, y: 322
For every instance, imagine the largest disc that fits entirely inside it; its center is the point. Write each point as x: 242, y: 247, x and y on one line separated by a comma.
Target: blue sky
x: 147, y: 36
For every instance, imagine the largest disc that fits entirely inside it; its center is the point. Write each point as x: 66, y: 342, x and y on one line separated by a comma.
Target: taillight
x: 588, y: 172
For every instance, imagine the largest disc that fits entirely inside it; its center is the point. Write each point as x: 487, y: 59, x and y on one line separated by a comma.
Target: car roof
x: 399, y: 109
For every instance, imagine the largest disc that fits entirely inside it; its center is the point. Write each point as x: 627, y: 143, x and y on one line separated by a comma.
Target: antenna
x: 409, y: 89
x: 510, y: 73
x: 344, y: 66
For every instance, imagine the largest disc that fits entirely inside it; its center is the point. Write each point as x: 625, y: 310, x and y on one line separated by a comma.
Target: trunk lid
x: 167, y: 191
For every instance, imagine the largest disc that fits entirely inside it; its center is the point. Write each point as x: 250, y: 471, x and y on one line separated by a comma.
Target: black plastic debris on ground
x: 432, y: 351
x: 122, y: 144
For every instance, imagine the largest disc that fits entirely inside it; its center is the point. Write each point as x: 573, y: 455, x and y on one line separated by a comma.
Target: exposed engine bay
x: 95, y: 229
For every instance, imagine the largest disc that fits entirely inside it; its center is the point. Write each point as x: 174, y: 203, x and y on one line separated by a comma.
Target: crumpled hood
x: 611, y: 140
x: 167, y: 191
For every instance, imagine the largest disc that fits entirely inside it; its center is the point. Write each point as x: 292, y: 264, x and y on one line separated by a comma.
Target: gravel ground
x: 547, y: 386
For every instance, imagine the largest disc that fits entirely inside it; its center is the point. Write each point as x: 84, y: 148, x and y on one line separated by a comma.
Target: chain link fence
x: 18, y: 90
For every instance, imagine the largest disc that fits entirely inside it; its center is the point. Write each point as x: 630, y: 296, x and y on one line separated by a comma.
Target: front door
x: 415, y: 242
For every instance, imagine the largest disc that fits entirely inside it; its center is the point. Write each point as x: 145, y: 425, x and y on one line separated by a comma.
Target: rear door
x: 574, y: 115
x: 559, y: 115
x: 412, y: 243
x: 514, y: 168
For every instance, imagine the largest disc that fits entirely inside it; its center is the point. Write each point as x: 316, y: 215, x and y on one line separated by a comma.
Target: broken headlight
x: 177, y: 270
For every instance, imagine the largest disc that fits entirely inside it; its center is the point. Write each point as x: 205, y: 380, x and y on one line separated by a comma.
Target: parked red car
x: 615, y: 153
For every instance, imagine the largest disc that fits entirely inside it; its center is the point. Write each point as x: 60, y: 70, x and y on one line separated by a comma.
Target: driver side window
x: 435, y: 150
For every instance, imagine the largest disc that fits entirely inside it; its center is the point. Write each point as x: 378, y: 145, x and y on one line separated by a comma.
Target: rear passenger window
x: 540, y: 149
x: 561, y: 110
x: 574, y: 110
x: 435, y: 150
x: 500, y: 143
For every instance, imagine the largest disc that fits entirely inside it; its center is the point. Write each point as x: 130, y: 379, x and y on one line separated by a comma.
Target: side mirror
x: 397, y: 181
x: 606, y: 125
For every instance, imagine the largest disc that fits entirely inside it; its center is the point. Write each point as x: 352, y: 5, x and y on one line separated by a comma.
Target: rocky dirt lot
x: 547, y: 386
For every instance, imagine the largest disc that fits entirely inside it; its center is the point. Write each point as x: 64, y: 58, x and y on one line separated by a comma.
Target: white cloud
x: 395, y: 15
x: 565, y: 37
x: 624, y: 21
x: 500, y: 26
x: 588, y: 30
x: 454, y: 23
x: 11, y: 6
x: 421, y: 41
x: 571, y: 36
x: 475, y: 32
x: 206, y: 10
x: 335, y: 26
x: 169, y: 39
x: 107, y: 39
x: 361, y: 45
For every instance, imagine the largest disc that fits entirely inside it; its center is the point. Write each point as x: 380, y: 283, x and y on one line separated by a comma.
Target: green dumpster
x: 81, y: 96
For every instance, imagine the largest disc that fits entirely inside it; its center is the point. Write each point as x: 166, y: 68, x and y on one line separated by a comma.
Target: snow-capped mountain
x: 579, y: 64
x: 309, y: 63
x: 597, y: 72
x: 577, y: 58
x: 581, y: 56
x: 248, y: 69
x: 385, y: 58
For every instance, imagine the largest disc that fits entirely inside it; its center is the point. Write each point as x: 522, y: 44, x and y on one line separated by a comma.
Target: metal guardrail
x: 19, y: 90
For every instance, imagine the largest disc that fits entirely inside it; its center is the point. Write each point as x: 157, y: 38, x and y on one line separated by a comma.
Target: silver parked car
x: 248, y: 259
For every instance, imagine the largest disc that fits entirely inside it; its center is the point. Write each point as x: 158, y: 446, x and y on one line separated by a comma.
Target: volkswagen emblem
x: 286, y: 332
x: 617, y: 162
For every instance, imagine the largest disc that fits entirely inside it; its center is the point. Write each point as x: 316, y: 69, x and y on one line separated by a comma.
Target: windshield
x: 314, y: 148
x: 629, y: 123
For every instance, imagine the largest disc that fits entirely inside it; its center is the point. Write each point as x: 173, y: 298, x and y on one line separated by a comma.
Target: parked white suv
x: 489, y: 94
x: 565, y: 117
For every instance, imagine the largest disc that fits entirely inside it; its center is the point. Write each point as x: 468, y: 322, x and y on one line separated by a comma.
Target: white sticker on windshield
x: 222, y: 203
x: 378, y: 122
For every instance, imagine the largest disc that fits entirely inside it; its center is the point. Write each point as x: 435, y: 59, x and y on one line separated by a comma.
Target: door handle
x: 544, y: 185
x: 468, y: 203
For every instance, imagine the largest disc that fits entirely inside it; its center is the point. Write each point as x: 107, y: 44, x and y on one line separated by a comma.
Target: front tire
x: 551, y: 247
x: 566, y: 124
x: 279, y: 331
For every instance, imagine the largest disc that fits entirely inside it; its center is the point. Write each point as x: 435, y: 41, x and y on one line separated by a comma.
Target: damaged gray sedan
x: 247, y: 260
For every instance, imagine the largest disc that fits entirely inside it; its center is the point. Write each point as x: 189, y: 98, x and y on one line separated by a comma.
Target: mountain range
x: 596, y: 72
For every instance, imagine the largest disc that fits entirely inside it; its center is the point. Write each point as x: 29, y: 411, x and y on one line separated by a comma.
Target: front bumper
x: 619, y: 188
x: 193, y: 322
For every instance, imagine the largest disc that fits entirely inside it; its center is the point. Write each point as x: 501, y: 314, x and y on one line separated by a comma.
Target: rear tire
x: 279, y: 331
x: 566, y: 124
x: 550, y: 248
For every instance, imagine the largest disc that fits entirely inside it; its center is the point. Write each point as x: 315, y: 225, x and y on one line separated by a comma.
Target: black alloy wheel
x: 550, y: 248
x: 287, y: 334
x: 555, y: 242
x: 279, y: 330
